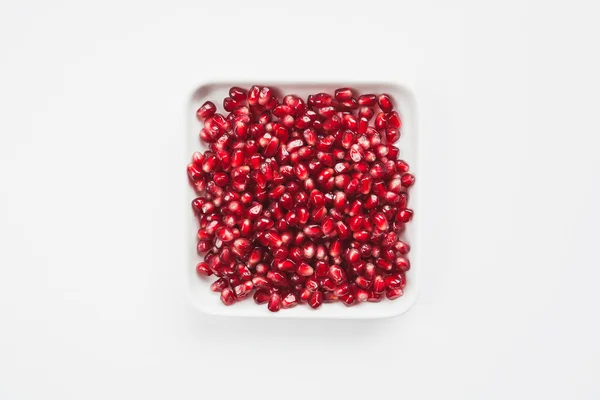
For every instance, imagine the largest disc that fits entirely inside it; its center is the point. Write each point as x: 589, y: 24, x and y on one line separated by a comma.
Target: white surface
x: 199, y: 291
x: 92, y: 299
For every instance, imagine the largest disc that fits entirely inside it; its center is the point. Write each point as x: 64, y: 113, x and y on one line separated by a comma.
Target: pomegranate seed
x: 312, y: 285
x: 321, y: 100
x: 225, y: 234
x: 366, y: 113
x: 207, y: 109
x: 362, y: 282
x: 342, y: 289
x: 219, y: 285
x: 350, y: 104
x: 393, y: 282
x: 348, y: 299
x: 305, y: 294
x: 227, y: 296
x: 343, y: 94
x: 202, y: 269
x: 277, y: 278
x: 383, y: 264
x: 316, y: 299
x: 379, y: 284
x: 242, y: 290
x: 273, y: 238
x: 385, y: 103
x: 356, y: 153
x: 404, y: 215
x: 363, y: 124
x: 304, y: 269
x: 402, y: 247
x: 230, y: 104
x: 312, y: 231
x: 407, y: 180
x: 261, y: 296
x: 361, y: 294
x: 393, y: 120
x: 329, y: 297
x: 367, y: 100
x: 327, y: 284
x: 374, y: 297
x: 274, y: 303
x: 253, y: 95
x: 238, y: 93
x: 337, y: 274
x: 393, y: 294
x: 261, y: 282
x: 332, y: 124
x: 380, y: 121
x: 290, y: 300
x: 380, y: 221
x: 402, y: 263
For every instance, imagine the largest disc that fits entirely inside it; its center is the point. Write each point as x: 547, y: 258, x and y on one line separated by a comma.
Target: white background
x: 92, y: 210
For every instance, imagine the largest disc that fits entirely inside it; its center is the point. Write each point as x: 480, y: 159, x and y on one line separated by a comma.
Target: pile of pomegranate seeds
x: 302, y: 201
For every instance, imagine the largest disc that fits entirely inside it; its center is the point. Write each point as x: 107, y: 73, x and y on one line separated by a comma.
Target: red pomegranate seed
x: 380, y: 221
x: 227, y: 296
x: 207, y: 109
x: 274, y: 302
x: 356, y: 153
x: 238, y: 93
x: 230, y: 104
x: 343, y: 94
x: 385, y: 103
x: 304, y: 269
x: 404, y: 215
x: 253, y: 95
x: 362, y: 294
x: 350, y: 122
x: 243, y: 289
x: 329, y: 297
x: 374, y: 297
x: 402, y: 247
x: 362, y: 282
x: 407, y: 180
x: 380, y: 121
x: 312, y: 285
x: 305, y: 294
x: 277, y: 278
x: 379, y: 284
x: 290, y: 300
x: 350, y: 104
x: 342, y: 289
x: 363, y: 124
x: 203, y: 270
x: 219, y: 285
x: 393, y: 282
x: 393, y: 120
x: 366, y: 113
x: 225, y: 234
x: 261, y: 296
x: 402, y: 263
x: 337, y: 274
x: 332, y: 124
x: 348, y: 299
x: 316, y: 299
x: 327, y: 284
x: 393, y: 294
x: 321, y: 100
x: 367, y: 100
x: 312, y: 231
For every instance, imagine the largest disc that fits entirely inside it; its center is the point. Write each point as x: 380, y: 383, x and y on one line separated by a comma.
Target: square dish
x: 198, y: 287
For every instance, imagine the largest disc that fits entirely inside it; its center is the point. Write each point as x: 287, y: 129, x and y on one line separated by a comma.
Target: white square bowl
x: 209, y: 302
